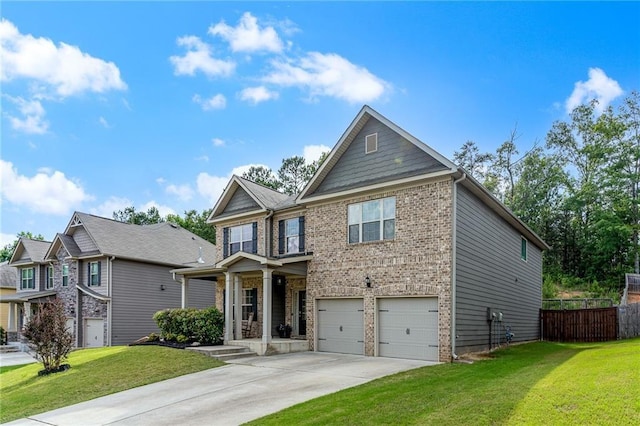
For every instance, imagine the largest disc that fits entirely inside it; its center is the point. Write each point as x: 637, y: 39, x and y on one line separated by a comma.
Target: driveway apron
x: 243, y: 390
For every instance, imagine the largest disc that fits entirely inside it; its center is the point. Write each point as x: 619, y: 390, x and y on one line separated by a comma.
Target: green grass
x: 93, y: 373
x: 532, y: 384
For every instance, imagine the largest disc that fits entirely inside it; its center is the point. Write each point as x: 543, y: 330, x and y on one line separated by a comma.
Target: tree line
x: 578, y: 190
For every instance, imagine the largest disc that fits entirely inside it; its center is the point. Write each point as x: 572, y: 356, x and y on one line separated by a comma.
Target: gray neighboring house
x: 112, y: 277
x: 390, y: 250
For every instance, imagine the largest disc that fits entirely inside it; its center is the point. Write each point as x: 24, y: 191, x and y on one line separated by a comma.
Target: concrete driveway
x: 241, y: 391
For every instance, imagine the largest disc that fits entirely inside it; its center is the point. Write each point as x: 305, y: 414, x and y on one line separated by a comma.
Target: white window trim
x: 374, y: 138
x: 23, y: 279
x: 65, y: 268
x: 382, y: 219
x: 50, y: 275
x: 241, y: 240
x: 287, y: 236
x: 91, y: 274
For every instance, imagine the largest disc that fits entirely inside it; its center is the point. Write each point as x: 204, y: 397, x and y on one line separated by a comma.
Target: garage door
x: 408, y: 328
x: 341, y: 326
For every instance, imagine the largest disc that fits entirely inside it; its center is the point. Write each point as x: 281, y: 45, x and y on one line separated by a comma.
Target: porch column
x: 228, y: 307
x: 266, y: 305
x: 27, y: 312
x: 237, y: 294
x: 185, y: 292
x: 12, y: 318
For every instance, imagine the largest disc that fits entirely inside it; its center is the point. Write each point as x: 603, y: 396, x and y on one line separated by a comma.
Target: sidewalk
x: 15, y: 358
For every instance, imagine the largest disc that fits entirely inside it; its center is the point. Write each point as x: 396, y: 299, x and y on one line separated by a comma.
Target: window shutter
x: 254, y: 239
x: 99, y: 273
x: 281, y: 237
x: 301, y: 234
x: 254, y: 303
x: 225, y: 242
x: 88, y: 274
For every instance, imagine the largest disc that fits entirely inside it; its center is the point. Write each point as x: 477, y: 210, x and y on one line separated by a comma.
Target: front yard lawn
x: 93, y: 373
x: 531, y: 384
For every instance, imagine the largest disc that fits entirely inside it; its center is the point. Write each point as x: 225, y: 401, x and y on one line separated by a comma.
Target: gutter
x: 454, y: 278
x: 109, y: 304
x: 268, y: 249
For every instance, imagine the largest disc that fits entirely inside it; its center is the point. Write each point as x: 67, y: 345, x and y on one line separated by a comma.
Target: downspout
x: 110, y: 300
x: 268, y: 220
x: 454, y: 244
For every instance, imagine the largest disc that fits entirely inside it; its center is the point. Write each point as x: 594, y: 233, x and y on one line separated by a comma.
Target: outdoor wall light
x: 162, y: 287
x: 367, y: 281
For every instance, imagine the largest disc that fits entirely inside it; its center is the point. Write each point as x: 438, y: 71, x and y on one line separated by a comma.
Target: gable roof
x: 163, y: 243
x: 348, y: 137
x: 35, y: 251
x: 265, y: 199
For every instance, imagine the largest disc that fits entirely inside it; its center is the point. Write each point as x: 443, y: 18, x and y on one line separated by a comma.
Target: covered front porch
x: 256, y: 295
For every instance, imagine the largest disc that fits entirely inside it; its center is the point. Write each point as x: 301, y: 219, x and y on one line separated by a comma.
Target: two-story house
x: 112, y: 277
x: 390, y: 250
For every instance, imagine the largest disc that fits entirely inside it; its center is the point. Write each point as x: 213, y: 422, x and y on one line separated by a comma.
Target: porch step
x: 224, y: 352
x: 5, y: 349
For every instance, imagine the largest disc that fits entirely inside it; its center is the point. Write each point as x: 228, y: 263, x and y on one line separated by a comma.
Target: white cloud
x: 598, y: 87
x: 312, y: 153
x: 6, y: 239
x: 328, y: 75
x: 104, y: 123
x: 46, y: 192
x: 198, y: 58
x: 65, y: 68
x: 163, y: 210
x: 204, y: 158
x: 211, y: 187
x: 183, y: 192
x: 218, y: 142
x: 113, y: 204
x: 248, y: 36
x: 215, y: 102
x: 255, y: 95
x: 33, y: 113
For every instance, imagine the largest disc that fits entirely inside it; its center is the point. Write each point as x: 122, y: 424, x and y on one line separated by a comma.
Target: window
x: 372, y: 220
x: 291, y: 235
x: 49, y: 282
x: 94, y: 274
x: 27, y: 281
x: 249, y: 300
x: 65, y: 275
x: 371, y: 143
x: 240, y: 238
x: 523, y: 249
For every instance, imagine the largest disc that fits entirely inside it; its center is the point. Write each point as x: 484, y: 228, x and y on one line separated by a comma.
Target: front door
x: 302, y: 313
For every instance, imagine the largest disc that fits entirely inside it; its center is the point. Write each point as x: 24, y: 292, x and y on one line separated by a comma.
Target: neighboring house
x: 8, y: 279
x: 112, y: 276
x: 390, y: 250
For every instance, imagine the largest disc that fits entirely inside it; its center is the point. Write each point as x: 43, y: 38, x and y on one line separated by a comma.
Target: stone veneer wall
x: 416, y: 263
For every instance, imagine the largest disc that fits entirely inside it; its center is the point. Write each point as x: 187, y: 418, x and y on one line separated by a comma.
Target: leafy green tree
x: 196, y: 223
x: 130, y: 215
x: 263, y: 176
x: 474, y: 162
x: 48, y: 335
x: 7, y: 251
x: 294, y: 174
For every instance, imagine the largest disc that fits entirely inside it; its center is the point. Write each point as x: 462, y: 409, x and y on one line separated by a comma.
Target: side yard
x: 537, y: 383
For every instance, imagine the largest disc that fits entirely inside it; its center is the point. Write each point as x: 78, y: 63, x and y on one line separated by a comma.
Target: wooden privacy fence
x: 579, y: 325
x: 629, y: 321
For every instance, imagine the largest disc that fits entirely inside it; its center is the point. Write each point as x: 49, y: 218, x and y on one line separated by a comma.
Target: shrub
x: 202, y: 325
x: 153, y: 337
x: 3, y: 336
x: 48, y: 336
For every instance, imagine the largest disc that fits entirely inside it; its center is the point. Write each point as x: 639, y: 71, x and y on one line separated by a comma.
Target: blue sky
x: 112, y: 104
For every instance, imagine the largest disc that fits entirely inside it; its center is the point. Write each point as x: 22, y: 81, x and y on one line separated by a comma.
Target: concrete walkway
x: 15, y: 358
x: 243, y: 390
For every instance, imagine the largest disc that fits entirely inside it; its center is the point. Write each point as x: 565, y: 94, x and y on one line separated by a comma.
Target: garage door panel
x: 341, y: 326
x: 408, y: 328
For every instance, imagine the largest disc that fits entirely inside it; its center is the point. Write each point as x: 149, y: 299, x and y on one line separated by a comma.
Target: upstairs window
x: 27, y: 279
x: 291, y: 235
x: 372, y: 220
x: 49, y: 282
x: 241, y: 238
x: 523, y: 249
x: 65, y: 275
x: 93, y: 276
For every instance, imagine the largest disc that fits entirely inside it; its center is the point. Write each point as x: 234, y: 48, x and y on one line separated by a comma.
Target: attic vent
x: 371, y: 143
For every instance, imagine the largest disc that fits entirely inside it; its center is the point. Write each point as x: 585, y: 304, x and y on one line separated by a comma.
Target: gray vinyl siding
x: 396, y: 158
x: 240, y: 202
x: 83, y: 275
x: 83, y: 240
x: 136, y: 296
x: 491, y: 274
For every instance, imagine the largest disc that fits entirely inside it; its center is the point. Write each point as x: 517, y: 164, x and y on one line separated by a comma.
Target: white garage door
x: 408, y: 328
x: 341, y: 326
x: 94, y: 333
